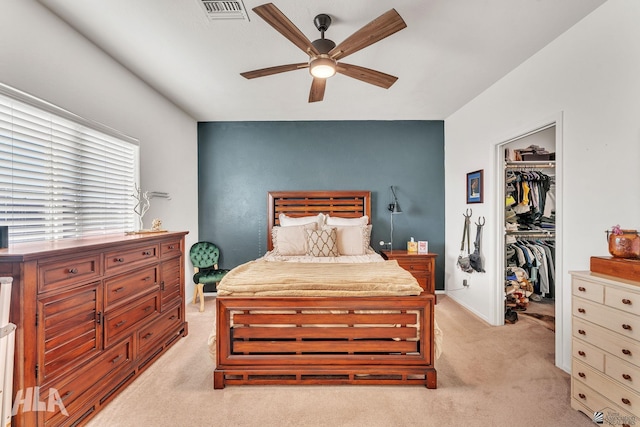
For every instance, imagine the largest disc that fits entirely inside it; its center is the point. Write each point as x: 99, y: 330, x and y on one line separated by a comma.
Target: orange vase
x: 625, y: 245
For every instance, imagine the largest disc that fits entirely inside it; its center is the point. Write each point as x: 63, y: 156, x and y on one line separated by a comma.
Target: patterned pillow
x: 322, y: 242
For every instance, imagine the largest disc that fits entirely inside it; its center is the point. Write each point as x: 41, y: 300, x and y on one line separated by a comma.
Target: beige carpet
x: 487, y: 376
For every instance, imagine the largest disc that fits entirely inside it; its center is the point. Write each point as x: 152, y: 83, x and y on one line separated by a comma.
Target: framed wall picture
x: 474, y: 186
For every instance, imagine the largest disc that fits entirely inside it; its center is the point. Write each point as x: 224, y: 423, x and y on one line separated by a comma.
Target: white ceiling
x: 451, y: 51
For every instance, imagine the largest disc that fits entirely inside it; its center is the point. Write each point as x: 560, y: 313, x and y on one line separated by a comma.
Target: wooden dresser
x: 91, y: 314
x: 605, y: 367
x: 422, y: 266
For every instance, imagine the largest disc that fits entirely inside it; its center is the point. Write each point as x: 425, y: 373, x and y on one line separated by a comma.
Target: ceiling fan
x: 324, y: 54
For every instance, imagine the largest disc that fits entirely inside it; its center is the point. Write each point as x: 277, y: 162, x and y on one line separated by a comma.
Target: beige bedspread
x: 273, y: 278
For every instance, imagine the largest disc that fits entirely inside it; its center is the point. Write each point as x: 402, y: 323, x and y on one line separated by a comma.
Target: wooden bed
x: 324, y: 340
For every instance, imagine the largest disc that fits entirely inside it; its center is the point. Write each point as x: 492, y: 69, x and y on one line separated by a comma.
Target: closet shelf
x: 531, y: 164
x: 531, y: 233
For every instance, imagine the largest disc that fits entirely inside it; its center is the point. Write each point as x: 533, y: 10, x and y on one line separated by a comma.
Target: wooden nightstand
x: 422, y: 266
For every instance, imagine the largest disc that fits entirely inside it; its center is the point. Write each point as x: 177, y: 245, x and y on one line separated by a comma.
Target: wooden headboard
x: 345, y: 204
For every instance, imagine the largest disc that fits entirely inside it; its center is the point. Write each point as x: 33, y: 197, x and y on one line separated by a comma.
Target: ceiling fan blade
x: 383, y: 26
x: 274, y: 70
x: 366, y: 75
x: 274, y: 17
x: 317, y: 89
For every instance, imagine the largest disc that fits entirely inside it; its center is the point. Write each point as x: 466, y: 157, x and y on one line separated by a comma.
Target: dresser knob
x: 627, y: 352
x: 582, y: 396
x: 626, y: 327
x: 119, y: 260
x: 582, y: 289
x: 626, y: 401
x: 582, y: 332
x: 582, y: 375
x: 581, y: 310
x: 582, y: 353
x: 73, y: 271
x: 626, y: 301
x: 626, y: 377
x: 146, y: 253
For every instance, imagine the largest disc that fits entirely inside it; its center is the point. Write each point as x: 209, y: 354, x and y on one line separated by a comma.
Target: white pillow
x: 288, y: 221
x: 322, y: 242
x: 363, y: 220
x: 291, y: 240
x: 353, y: 240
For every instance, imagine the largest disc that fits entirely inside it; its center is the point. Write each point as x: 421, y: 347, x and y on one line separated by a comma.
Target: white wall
x: 41, y: 55
x: 589, y: 75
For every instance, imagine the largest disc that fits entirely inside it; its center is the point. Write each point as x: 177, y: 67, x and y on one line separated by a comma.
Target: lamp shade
x: 395, y: 206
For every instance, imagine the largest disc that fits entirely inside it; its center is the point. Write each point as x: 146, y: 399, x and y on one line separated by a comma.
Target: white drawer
x: 588, y: 354
x: 618, y: 321
x: 587, y: 400
x: 622, y: 299
x: 618, y: 394
x: 587, y: 289
x: 617, y: 345
x: 623, y: 372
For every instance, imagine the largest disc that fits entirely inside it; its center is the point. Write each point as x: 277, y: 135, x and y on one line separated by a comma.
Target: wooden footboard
x: 323, y: 340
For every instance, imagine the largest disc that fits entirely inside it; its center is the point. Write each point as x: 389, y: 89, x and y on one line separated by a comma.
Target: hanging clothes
x: 536, y: 258
x: 527, y: 195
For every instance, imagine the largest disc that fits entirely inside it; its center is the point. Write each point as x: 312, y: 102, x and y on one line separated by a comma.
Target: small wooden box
x: 623, y: 268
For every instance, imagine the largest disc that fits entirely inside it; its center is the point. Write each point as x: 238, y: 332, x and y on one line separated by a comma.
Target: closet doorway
x: 529, y: 249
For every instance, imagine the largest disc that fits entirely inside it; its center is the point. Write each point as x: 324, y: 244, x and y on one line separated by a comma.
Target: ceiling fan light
x: 322, y: 67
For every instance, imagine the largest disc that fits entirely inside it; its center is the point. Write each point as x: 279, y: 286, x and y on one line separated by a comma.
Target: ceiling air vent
x: 224, y: 9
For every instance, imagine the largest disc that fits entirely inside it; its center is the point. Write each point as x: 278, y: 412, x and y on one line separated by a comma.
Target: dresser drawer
x: 622, y: 299
x: 591, y: 401
x: 125, y: 286
x: 414, y: 264
x: 588, y: 354
x: 63, y: 272
x: 587, y: 289
x: 623, y: 372
x: 77, y: 388
x: 618, y: 394
x: 121, y: 321
x: 150, y: 335
x: 615, y: 320
x: 604, y: 339
x: 119, y: 259
x: 170, y: 249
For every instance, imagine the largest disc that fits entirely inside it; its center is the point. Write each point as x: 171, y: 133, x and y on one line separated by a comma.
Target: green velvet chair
x: 204, y: 257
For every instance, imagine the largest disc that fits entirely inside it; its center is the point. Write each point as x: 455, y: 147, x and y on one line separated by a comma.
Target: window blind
x: 62, y: 176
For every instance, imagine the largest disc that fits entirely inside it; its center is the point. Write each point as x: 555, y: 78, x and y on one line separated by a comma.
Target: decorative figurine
x: 142, y: 206
x: 156, y: 225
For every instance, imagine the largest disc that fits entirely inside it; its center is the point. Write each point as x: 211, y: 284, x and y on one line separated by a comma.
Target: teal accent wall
x: 239, y: 162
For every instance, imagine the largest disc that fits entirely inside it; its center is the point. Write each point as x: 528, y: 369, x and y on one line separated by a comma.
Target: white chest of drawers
x: 605, y: 371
